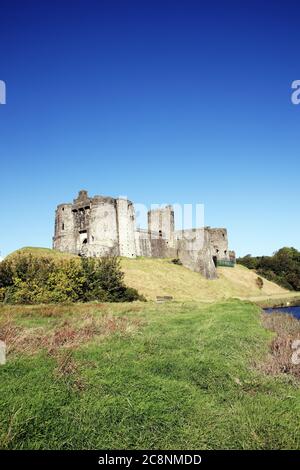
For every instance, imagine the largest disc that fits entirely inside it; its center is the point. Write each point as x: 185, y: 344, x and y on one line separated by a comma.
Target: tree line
x: 283, y: 267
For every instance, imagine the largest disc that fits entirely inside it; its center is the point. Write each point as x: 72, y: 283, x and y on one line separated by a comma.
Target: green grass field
x: 179, y: 375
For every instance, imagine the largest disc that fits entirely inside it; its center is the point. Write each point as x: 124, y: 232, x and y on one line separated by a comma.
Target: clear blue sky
x: 162, y: 101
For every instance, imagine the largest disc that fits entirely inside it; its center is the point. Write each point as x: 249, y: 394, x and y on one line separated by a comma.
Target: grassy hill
x: 40, y: 253
x: 153, y: 277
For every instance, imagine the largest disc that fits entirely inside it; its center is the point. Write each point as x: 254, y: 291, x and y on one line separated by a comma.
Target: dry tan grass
x: 152, y: 277
x: 287, y: 330
x: 67, y: 310
x: 68, y: 334
x: 53, y: 310
x: 244, y: 281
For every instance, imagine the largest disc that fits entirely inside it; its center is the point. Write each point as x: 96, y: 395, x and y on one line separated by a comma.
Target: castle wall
x: 126, y: 228
x: 143, y: 243
x: 161, y: 222
x: 195, y: 252
x: 159, y: 248
x: 218, y: 242
x: 153, y: 246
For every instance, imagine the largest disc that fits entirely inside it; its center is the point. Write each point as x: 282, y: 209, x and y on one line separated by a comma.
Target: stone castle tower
x: 96, y: 226
x: 103, y: 226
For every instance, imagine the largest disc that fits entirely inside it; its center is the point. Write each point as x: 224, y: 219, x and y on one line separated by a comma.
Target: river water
x: 295, y: 311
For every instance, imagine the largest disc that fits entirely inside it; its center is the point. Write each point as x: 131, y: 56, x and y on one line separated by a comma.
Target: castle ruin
x: 104, y: 226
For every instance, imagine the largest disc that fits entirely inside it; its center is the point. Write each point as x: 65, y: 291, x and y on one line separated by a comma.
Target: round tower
x: 63, y: 239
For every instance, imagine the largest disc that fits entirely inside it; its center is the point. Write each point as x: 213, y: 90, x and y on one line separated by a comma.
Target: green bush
x: 31, y: 280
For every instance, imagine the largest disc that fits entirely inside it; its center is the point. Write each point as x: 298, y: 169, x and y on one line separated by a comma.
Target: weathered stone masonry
x: 99, y: 226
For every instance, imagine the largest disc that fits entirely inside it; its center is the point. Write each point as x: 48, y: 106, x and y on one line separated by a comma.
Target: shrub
x: 6, y: 274
x: 259, y: 282
x: 30, y: 280
x: 2, y: 294
x: 177, y: 261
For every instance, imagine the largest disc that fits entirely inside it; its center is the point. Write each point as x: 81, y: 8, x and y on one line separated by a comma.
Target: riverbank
x: 277, y: 300
x: 282, y: 357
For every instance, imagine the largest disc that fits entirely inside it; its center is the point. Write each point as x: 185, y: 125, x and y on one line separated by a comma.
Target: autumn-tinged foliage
x: 283, y: 267
x: 26, y: 279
